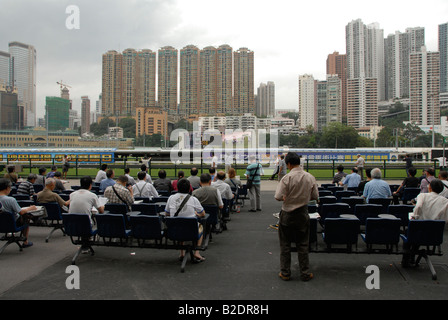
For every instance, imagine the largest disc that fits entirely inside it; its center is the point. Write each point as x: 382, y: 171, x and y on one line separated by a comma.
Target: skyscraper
x: 57, y: 113
x: 128, y: 81
x: 362, y: 102
x: 208, y: 81
x: 398, y: 47
x: 5, y: 58
x: 443, y: 50
x: 424, y: 88
x: 337, y: 65
x: 85, y: 114
x: 243, y: 92
x: 265, y: 102
x: 23, y: 76
x: 307, y: 101
x: 189, y: 81
x: 167, y: 79
x: 225, y: 79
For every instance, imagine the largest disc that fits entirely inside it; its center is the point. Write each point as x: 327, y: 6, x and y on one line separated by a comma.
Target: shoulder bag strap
x: 253, y: 177
x: 118, y: 195
x: 182, y: 205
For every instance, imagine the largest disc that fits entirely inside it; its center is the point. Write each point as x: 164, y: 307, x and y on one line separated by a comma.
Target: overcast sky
x: 289, y: 37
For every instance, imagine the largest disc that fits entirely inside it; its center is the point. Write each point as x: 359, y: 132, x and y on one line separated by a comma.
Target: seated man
x: 192, y: 208
x: 340, y: 175
x: 59, y: 184
x: 47, y: 195
x: 376, y: 188
x: 409, y: 182
x: 163, y: 184
x: 206, y: 194
x: 144, y: 189
x: 9, y: 204
x: 224, y: 188
x: 109, y: 181
x: 11, y: 175
x: 119, y: 193
x: 195, y: 181
x: 429, y: 206
x: 26, y: 187
x: 180, y: 175
x: 352, y: 180
x: 131, y: 180
x: 41, y: 176
x: 83, y: 201
x: 101, y: 175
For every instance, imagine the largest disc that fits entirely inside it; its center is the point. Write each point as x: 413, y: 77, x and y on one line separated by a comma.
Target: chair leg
x: 184, y: 261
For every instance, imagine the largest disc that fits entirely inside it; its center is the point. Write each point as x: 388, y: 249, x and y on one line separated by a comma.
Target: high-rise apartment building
x: 208, y: 80
x: 225, y: 80
x: 23, y: 76
x: 398, y: 47
x: 243, y: 92
x: 334, y: 99
x: 443, y: 50
x: 365, y: 53
x: 189, y: 81
x: 362, y: 102
x: 424, y: 88
x: 151, y: 120
x: 337, y: 65
x: 307, y: 101
x: 167, y: 79
x: 85, y: 114
x: 265, y: 101
x: 128, y: 81
x: 57, y: 113
x: 321, y: 105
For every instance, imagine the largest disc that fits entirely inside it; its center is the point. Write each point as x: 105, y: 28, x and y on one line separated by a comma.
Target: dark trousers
x: 294, y: 227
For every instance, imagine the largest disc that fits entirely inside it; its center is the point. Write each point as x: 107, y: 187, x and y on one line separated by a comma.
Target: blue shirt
x: 352, y: 180
x: 106, y: 183
x: 9, y: 204
x: 376, y: 189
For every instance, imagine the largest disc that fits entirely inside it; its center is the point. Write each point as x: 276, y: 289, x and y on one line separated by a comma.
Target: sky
x: 289, y: 37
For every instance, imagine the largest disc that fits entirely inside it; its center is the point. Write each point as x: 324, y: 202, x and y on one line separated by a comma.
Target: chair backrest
x: 352, y: 202
x: 344, y: 194
x: 364, y: 211
x: 426, y: 232
x: 213, y: 212
x: 243, y: 190
x: 38, y: 188
x: 341, y: 231
x: 8, y: 223
x: 385, y: 202
x: 312, y: 208
x: 159, y: 199
x: 326, y: 185
x: 326, y: 200
x: 150, y: 209
x: 401, y: 211
x: 77, y: 224
x: 382, y: 231
x: 144, y: 199
x: 116, y: 208
x: 410, y: 193
x: 393, y: 187
x: 325, y: 193
x: 21, y: 196
x: 334, y: 210
x: 25, y: 203
x: 111, y: 225
x: 146, y: 227
x: 182, y: 229
x: 54, y: 211
x: 334, y: 189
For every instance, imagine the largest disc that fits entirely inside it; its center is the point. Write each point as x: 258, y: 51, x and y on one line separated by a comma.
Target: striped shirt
x: 253, y: 173
x: 26, y: 187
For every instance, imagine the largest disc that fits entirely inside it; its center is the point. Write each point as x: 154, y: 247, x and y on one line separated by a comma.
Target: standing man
x: 254, y: 171
x: 360, y: 165
x: 296, y: 189
x: 282, y: 169
x: 409, y: 165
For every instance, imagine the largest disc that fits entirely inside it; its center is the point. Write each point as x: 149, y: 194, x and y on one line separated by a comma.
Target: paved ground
x: 242, y: 264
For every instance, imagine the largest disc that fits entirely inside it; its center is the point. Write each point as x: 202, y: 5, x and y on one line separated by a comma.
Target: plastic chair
x: 54, y: 216
x: 325, y: 200
x: 364, y: 211
x: 352, y: 202
x: 78, y: 226
x: 185, y: 233
x: 409, y: 194
x: 112, y: 226
x: 341, y: 231
x: 149, y: 209
x: 401, y: 211
x: 116, y: 208
x: 333, y: 210
x: 381, y: 231
x: 426, y: 233
x: 344, y: 194
x: 146, y: 227
x: 9, y: 227
x: 385, y: 202
x: 325, y: 193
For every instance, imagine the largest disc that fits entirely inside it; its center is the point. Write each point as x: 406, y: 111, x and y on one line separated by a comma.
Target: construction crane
x: 63, y: 84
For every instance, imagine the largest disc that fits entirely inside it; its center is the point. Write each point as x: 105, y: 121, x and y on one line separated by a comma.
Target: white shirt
x: 100, y: 176
x: 83, y: 201
x: 144, y: 189
x: 360, y: 162
x: 430, y: 206
x: 444, y: 192
x: 224, y: 189
x: 214, y: 162
x: 188, y: 211
x: 131, y: 180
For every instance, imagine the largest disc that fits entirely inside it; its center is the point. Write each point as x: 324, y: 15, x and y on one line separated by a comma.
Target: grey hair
x: 376, y: 173
x: 49, y: 181
x: 32, y: 176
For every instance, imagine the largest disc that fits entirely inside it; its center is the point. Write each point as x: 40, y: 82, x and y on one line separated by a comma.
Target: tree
x: 338, y: 135
x: 128, y: 125
x: 101, y: 128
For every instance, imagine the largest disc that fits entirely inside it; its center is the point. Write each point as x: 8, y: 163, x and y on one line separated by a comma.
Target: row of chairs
x: 148, y: 231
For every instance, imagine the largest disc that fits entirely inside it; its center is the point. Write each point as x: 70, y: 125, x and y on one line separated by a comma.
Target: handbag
x: 250, y: 182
